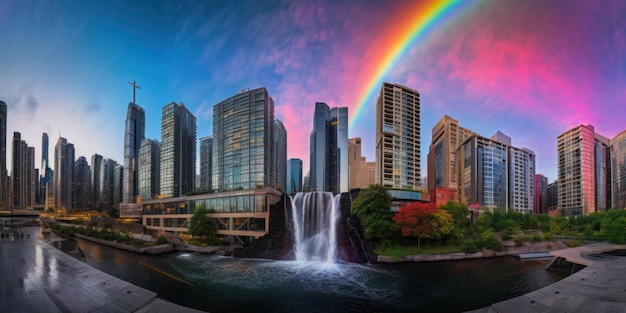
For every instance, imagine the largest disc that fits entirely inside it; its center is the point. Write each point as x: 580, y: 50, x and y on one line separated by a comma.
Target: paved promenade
x: 599, y: 287
x: 36, y: 277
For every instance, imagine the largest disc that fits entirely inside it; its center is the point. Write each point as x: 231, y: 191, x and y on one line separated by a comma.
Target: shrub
x: 574, y: 243
x: 548, y: 236
x: 161, y: 240
x: 469, y: 246
x: 535, y: 238
x: 489, y: 241
x: 518, y: 241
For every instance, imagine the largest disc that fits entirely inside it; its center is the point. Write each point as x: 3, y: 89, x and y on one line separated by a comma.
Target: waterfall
x: 315, y: 216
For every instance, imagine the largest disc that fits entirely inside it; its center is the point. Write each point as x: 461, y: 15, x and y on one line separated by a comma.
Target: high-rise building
x: 618, y: 171
x: 357, y: 165
x: 294, y: 176
x: 280, y: 155
x: 45, y: 170
x: 149, y: 169
x: 398, y: 137
x: 4, y: 183
x: 81, y: 184
x: 243, y: 141
x: 541, y: 194
x: 96, y: 196
x: 602, y: 159
x: 22, y: 173
x: 496, y: 175
x: 577, y: 171
x: 553, y: 197
x: 178, y: 150
x: 133, y: 135
x: 329, y: 149
x: 447, y: 136
x: 63, y: 175
x: 206, y: 163
x: 118, y: 184
x: 107, y: 184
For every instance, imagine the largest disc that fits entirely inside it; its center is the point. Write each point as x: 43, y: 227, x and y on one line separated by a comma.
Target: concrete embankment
x: 157, y: 249
x: 484, y: 253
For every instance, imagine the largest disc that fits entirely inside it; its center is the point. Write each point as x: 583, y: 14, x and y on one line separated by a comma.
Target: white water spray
x: 315, y: 216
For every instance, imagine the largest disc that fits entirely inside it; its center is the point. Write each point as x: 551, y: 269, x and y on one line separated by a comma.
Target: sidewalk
x: 36, y: 277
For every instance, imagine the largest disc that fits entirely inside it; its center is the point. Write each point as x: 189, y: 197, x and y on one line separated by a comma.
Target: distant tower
x: 280, y: 155
x: 4, y: 185
x: 178, y: 150
x: 206, y: 163
x: 294, y: 176
x: 22, y: 174
x: 398, y: 137
x: 82, y: 184
x: 329, y: 149
x: 96, y: 196
x: 618, y: 171
x: 577, y: 172
x: 63, y: 175
x: 149, y: 169
x: 45, y: 171
x: 133, y: 135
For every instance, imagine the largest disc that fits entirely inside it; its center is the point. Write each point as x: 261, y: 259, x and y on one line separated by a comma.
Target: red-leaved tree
x: 415, y: 220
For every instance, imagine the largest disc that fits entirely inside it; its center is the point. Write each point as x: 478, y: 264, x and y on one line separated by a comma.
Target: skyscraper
x: 206, y: 163
x: 618, y: 171
x: 63, y: 175
x: 541, y: 194
x: 22, y: 173
x: 178, y: 150
x: 447, y: 136
x: 45, y: 170
x: 357, y: 165
x: 294, y: 176
x: 577, y: 171
x: 107, y: 184
x: 118, y: 184
x: 81, y: 184
x: 243, y: 146
x: 4, y: 185
x: 149, y: 169
x: 329, y: 149
x: 96, y: 192
x: 398, y: 137
x: 495, y: 174
x: 280, y: 155
x: 133, y: 135
x: 603, y: 172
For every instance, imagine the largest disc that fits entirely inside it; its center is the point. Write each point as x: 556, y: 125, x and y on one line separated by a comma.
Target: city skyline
x: 529, y: 69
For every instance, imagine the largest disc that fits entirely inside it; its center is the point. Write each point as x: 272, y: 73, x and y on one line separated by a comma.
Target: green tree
x: 373, y: 207
x: 201, y: 225
x: 442, y: 224
x: 459, y: 212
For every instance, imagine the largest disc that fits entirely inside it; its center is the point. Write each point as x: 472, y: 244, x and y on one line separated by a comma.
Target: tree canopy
x: 373, y: 207
x: 200, y: 224
x: 424, y: 221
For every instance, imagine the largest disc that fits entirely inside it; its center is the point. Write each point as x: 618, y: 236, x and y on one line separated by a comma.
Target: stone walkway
x: 36, y: 277
x: 599, y: 287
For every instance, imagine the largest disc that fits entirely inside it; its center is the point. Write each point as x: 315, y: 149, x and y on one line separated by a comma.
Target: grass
x: 399, y: 252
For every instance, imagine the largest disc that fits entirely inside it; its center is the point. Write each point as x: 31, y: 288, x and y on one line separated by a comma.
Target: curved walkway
x: 599, y: 287
x: 36, y: 277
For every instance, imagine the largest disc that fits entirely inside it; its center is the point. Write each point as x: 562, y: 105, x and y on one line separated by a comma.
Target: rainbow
x: 418, y: 26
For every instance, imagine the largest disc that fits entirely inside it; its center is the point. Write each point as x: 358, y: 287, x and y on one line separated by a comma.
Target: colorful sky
x: 531, y: 69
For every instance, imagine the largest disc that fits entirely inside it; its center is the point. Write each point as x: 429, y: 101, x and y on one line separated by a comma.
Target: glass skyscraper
x: 280, y: 155
x: 206, y: 163
x: 4, y: 192
x: 22, y: 173
x: 294, y: 176
x: 149, y: 169
x: 329, y: 149
x: 178, y: 150
x: 96, y: 194
x: 243, y: 141
x: 63, y: 175
x: 398, y: 137
x: 133, y: 135
x: 82, y: 184
x: 618, y: 171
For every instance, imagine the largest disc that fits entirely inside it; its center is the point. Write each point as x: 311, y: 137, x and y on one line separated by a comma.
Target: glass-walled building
x: 240, y: 215
x: 178, y: 151
x: 294, y: 176
x: 618, y: 171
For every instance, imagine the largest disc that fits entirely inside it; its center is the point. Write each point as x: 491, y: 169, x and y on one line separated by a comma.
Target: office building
x: 4, y: 182
x: 577, y: 171
x: 243, y: 141
x: 63, y: 175
x: 294, y: 176
x: 81, y: 185
x: 107, y: 184
x: 118, y: 184
x: 329, y: 149
x: 149, y: 169
x: 398, y: 137
x: 178, y: 150
x: 357, y: 165
x: 541, y: 194
x: 206, y: 164
x: 134, y: 133
x: 45, y: 170
x: 280, y: 155
x: 602, y: 159
x: 22, y: 174
x: 618, y: 171
x: 96, y: 195
x: 553, y: 198
x: 494, y: 174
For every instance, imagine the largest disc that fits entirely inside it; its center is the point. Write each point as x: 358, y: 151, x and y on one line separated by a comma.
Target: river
x: 225, y: 284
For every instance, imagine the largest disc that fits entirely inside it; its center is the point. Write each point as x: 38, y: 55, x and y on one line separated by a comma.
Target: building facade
x: 134, y: 133
x: 63, y: 175
x: 294, y: 176
x: 107, y: 183
x: 22, y: 174
x: 357, y: 165
x: 45, y: 170
x: 81, y: 185
x: 329, y: 149
x: 541, y: 194
x: 398, y: 137
x: 178, y: 150
x: 96, y: 194
x: 618, y: 171
x: 243, y: 145
x: 4, y: 182
x: 206, y: 163
x: 280, y: 155
x: 149, y: 169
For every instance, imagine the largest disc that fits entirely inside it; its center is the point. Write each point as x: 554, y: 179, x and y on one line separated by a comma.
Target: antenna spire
x: 134, y: 84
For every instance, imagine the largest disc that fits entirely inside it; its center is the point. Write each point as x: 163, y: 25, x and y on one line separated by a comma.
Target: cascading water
x: 315, y: 216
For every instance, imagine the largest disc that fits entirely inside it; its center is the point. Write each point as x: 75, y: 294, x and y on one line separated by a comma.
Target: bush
x: 469, y: 246
x: 489, y: 241
x: 548, y: 236
x: 161, y: 240
x: 574, y: 243
x: 535, y: 238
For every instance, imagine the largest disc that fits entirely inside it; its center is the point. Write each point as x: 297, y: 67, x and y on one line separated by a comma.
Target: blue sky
x: 531, y: 69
